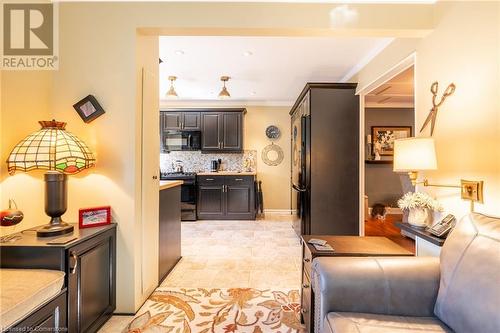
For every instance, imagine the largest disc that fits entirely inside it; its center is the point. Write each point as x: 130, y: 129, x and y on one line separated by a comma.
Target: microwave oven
x: 181, y: 140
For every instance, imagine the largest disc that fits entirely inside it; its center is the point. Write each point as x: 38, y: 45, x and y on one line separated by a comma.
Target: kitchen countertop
x: 227, y: 173
x: 164, y: 184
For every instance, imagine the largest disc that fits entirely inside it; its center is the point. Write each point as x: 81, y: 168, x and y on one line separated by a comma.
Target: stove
x: 177, y: 175
x: 188, y: 192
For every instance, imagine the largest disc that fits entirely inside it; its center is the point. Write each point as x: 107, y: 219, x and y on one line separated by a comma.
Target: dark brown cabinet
x: 173, y: 120
x: 325, y: 160
x: 169, y: 230
x: 226, y: 197
x: 90, y: 266
x: 222, y: 131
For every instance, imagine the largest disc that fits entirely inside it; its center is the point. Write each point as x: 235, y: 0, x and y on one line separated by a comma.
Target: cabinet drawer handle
x: 303, y: 310
x: 305, y: 286
x: 75, y: 258
x: 238, y: 179
x: 209, y: 179
x: 307, y: 260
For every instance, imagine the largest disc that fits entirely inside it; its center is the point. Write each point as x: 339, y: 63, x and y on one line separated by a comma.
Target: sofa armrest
x: 406, y: 286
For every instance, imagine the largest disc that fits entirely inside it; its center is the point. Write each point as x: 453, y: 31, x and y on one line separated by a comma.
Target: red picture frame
x: 94, y: 217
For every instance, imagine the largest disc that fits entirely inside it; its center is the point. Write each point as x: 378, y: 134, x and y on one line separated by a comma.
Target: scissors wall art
x: 431, y: 118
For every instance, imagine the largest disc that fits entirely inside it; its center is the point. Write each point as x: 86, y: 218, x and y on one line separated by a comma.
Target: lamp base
x: 51, y: 230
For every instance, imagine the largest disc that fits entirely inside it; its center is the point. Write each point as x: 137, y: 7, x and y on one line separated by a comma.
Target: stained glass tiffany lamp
x: 52, y: 148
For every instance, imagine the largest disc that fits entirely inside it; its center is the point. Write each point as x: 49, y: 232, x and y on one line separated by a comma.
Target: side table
x: 344, y: 246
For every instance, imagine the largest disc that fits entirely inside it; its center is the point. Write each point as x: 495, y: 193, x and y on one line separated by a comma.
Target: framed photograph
x: 385, y: 136
x: 89, y: 108
x: 94, y: 217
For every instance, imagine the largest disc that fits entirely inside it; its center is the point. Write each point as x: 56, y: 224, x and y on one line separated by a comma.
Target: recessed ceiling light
x: 179, y: 52
x: 247, y: 53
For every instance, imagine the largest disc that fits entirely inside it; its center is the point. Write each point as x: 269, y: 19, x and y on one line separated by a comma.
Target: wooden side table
x: 344, y: 246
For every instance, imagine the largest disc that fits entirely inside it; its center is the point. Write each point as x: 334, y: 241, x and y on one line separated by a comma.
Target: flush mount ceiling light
x: 171, y: 93
x: 179, y: 52
x: 247, y: 53
x: 224, y: 94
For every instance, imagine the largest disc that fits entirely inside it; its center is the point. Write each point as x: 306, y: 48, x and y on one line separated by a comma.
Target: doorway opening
x: 389, y: 114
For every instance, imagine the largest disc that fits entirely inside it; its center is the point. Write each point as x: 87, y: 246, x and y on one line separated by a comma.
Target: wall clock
x: 273, y: 132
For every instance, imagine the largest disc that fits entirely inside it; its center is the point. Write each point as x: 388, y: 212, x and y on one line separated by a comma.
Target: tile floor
x: 223, y: 254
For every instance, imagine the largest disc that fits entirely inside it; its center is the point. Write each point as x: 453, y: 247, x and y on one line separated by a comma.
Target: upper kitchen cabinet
x: 222, y: 130
x: 177, y: 120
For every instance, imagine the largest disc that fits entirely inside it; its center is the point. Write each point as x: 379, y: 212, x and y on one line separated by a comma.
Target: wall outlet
x: 472, y: 190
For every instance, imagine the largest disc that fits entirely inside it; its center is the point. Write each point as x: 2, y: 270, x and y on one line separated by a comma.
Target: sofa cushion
x: 351, y: 322
x: 469, y: 296
x: 24, y: 290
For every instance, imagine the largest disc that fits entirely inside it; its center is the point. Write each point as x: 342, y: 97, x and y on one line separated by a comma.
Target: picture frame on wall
x: 94, y: 217
x: 384, y: 136
x: 89, y: 109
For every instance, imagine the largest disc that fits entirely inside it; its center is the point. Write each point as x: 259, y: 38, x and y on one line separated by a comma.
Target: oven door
x: 181, y: 140
x: 188, y: 201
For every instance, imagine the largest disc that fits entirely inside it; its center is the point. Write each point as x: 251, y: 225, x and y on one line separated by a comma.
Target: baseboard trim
x: 279, y: 211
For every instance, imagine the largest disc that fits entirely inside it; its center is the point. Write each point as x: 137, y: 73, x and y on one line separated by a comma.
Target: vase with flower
x: 420, y: 207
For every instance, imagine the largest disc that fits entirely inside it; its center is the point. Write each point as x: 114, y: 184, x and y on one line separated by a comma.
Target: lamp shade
x: 51, y: 148
x: 414, y: 154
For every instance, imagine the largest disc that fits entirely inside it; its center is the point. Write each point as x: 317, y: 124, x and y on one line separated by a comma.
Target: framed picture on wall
x: 89, y: 108
x: 384, y: 136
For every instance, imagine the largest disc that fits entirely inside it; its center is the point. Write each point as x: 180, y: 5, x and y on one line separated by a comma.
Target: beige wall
x: 275, y: 179
x: 463, y: 49
x: 25, y: 99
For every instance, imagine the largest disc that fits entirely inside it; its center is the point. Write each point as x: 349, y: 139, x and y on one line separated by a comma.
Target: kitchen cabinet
x: 89, y: 263
x: 174, y: 120
x: 226, y: 198
x: 222, y: 131
x: 169, y: 230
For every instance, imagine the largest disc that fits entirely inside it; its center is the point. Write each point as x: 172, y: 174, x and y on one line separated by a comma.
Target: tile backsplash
x: 195, y: 161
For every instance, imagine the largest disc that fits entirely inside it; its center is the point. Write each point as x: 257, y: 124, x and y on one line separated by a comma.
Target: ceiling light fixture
x: 179, y: 52
x: 171, y: 93
x: 224, y: 94
x: 247, y: 53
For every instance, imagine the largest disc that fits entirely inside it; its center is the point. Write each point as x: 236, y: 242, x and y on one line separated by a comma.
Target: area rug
x: 199, y: 310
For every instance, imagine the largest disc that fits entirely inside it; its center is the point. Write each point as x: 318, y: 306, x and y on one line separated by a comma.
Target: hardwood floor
x: 386, y: 228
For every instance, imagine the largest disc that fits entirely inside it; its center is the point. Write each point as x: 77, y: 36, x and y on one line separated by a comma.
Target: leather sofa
x: 458, y: 292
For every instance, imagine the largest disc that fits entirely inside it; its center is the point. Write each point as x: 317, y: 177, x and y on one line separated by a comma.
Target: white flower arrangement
x: 419, y: 200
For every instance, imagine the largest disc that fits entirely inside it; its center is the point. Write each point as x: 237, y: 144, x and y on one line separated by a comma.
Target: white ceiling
x: 275, y: 73
x: 398, y: 92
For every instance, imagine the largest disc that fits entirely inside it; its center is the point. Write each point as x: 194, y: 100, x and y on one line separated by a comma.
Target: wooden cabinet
x: 226, y: 198
x: 91, y: 287
x: 169, y: 230
x: 222, y: 131
x: 89, y: 263
x: 173, y: 120
x: 211, y: 131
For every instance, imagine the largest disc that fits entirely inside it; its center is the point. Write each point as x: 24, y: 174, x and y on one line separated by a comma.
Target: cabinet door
x: 211, y: 197
x: 240, y: 197
x: 232, y: 132
x: 191, y: 121
x: 91, y: 283
x: 210, y: 130
x: 172, y: 121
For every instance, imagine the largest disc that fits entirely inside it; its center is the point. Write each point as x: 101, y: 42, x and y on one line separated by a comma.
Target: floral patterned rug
x: 240, y: 310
